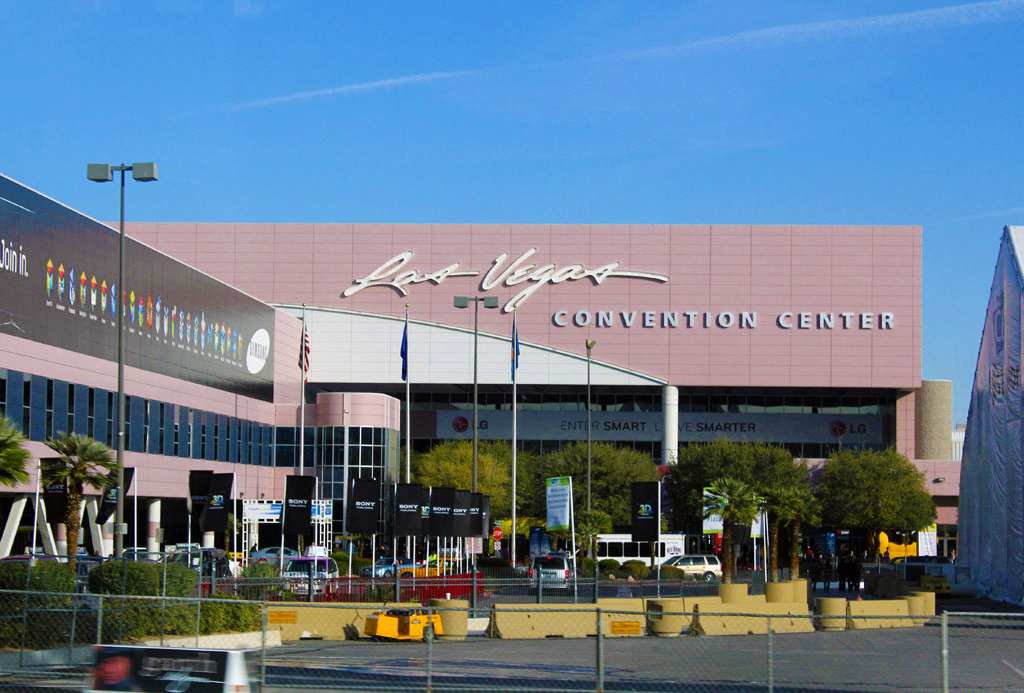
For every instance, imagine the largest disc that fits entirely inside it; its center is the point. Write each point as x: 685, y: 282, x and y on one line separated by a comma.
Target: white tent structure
x: 992, y: 471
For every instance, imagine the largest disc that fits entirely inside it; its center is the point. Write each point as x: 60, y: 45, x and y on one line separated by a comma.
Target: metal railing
x: 47, y: 639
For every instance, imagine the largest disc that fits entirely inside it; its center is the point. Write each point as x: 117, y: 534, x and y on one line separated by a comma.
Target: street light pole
x: 590, y: 347
x: 463, y: 302
x: 103, y: 173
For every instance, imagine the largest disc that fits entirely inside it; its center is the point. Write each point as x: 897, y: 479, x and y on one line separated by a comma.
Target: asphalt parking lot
x: 984, y: 656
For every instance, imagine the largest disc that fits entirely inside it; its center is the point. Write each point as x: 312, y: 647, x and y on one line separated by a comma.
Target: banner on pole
x: 559, y: 498
x: 476, y: 525
x: 215, y: 513
x: 485, y: 514
x: 298, y: 502
x: 442, y: 499
x: 645, y: 499
x: 460, y: 514
x: 364, y: 506
x: 408, y: 501
x: 108, y: 506
x: 55, y: 495
x: 198, y: 490
x: 424, y: 511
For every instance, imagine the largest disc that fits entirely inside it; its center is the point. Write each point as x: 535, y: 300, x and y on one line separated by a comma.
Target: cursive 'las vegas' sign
x: 394, y: 275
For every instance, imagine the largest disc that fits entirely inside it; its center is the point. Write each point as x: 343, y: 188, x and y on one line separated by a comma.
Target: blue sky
x: 748, y: 112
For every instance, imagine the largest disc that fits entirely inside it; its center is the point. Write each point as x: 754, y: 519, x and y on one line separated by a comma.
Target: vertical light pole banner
x: 559, y: 503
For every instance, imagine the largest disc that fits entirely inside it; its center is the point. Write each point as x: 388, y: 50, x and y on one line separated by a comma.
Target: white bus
x: 622, y: 548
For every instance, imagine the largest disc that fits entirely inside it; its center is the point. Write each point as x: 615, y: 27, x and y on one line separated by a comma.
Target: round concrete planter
x: 834, y: 611
x: 917, y: 607
x: 800, y: 593
x: 665, y: 618
x: 733, y: 593
x: 454, y: 617
x: 779, y: 592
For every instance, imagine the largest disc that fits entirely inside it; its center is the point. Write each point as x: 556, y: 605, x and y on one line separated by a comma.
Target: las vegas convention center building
x: 803, y: 336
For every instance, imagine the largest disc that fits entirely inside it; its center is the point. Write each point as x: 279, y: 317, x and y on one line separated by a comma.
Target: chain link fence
x: 619, y: 644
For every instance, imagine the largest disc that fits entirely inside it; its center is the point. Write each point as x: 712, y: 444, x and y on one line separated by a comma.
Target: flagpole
x: 515, y: 377
x: 408, y: 401
x: 302, y: 396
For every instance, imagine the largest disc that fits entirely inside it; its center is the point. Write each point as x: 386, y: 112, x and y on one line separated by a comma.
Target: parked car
x: 385, y: 567
x: 271, y: 554
x: 210, y: 564
x: 555, y: 570
x: 297, y: 571
x: 705, y: 566
x: 141, y: 553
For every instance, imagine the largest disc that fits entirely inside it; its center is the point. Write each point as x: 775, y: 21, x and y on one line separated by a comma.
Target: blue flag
x: 515, y: 347
x: 405, y: 351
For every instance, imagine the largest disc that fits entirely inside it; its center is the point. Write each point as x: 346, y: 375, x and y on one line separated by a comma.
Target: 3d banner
x: 298, y: 502
x: 364, y: 506
x: 442, y: 499
x: 425, y: 511
x: 108, y: 506
x: 198, y: 490
x: 408, y: 502
x: 645, y: 510
x: 215, y: 513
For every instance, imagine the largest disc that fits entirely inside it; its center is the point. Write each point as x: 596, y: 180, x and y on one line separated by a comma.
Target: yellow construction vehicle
x: 401, y: 624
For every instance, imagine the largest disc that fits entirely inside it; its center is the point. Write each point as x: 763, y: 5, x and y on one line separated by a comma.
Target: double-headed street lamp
x: 104, y: 173
x: 463, y: 302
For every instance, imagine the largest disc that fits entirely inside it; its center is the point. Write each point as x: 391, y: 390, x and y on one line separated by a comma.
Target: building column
x: 107, y: 531
x: 209, y: 540
x: 153, y: 526
x: 61, y: 535
x: 90, y: 525
x: 12, y: 524
x: 669, y: 424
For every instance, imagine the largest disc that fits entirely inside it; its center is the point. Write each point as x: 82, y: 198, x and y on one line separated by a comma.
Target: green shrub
x: 181, y: 580
x: 47, y: 616
x: 125, y: 577
x: 670, y: 572
x: 341, y: 558
x: 586, y: 567
x: 358, y: 563
x: 223, y: 617
x: 638, y: 570
x: 608, y: 565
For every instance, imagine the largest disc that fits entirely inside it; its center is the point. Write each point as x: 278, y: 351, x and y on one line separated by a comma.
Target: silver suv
x: 554, y: 570
x: 705, y: 566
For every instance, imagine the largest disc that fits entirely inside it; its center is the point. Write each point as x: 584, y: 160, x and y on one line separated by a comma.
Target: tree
x: 697, y: 467
x: 874, y: 490
x: 613, y: 470
x: 13, y: 455
x: 451, y: 464
x: 736, y: 503
x: 785, y: 486
x: 80, y: 462
x: 588, y: 526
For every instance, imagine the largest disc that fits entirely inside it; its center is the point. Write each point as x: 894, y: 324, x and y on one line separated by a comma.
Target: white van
x: 622, y: 548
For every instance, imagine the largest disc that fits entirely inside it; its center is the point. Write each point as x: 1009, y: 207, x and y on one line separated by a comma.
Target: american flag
x: 304, y: 352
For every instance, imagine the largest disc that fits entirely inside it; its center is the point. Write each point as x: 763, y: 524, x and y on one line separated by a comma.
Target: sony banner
x: 55, y: 492
x: 645, y: 510
x: 442, y: 499
x: 476, y: 526
x: 831, y: 429
x: 59, y: 286
x: 460, y: 514
x: 214, y: 517
x: 298, y: 502
x: 408, y: 517
x: 364, y: 506
x: 485, y: 514
x: 108, y: 506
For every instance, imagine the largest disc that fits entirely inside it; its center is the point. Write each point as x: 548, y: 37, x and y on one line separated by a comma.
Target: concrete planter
x: 454, y: 617
x: 834, y: 609
x: 665, y: 618
x: 800, y: 591
x: 733, y: 593
x: 780, y: 592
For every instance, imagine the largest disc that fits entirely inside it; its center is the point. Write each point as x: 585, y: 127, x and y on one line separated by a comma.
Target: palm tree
x: 13, y: 455
x: 80, y: 461
x: 794, y: 505
x: 735, y: 502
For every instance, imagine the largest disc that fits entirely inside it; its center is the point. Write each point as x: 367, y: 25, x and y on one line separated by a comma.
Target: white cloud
x: 355, y: 87
x: 920, y: 20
